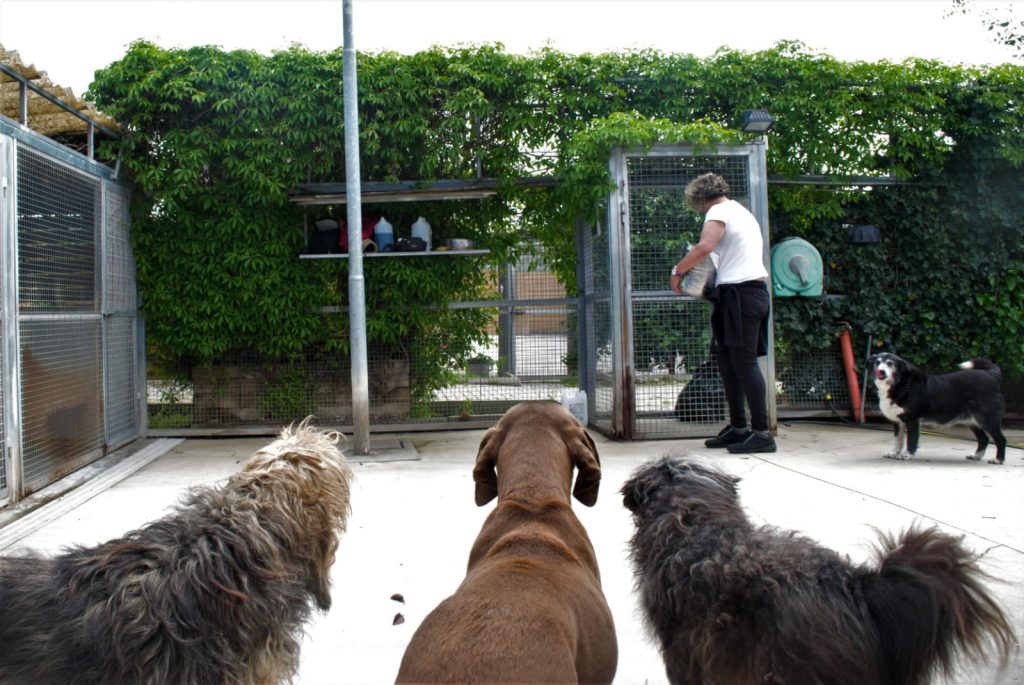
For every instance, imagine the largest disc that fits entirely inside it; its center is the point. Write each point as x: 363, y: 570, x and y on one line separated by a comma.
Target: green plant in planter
x: 479, y: 365
x: 173, y: 416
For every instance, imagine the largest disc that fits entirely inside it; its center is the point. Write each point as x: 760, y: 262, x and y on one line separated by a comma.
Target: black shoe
x: 727, y: 436
x: 753, y: 443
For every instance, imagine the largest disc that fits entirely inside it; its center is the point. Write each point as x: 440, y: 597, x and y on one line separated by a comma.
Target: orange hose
x: 851, y: 372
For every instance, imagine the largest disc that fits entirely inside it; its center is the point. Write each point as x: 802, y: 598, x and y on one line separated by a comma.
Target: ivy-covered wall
x: 216, y: 138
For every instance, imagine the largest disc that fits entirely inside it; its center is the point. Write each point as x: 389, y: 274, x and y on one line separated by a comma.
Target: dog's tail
x: 929, y: 603
x: 982, y: 364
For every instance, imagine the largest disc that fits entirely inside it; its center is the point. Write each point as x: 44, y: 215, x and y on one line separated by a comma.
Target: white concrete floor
x: 413, y: 523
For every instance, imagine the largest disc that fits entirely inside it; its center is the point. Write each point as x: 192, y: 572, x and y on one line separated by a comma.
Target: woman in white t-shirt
x: 739, y: 317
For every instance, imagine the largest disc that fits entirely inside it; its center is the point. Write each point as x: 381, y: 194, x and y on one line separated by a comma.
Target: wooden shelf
x: 371, y: 255
x: 410, y: 191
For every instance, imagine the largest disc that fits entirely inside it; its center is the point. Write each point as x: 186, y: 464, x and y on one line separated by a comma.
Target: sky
x: 70, y: 39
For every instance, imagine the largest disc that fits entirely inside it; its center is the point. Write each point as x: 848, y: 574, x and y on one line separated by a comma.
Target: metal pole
x: 758, y: 175
x: 23, y: 103
x: 624, y: 397
x: 583, y: 353
x: 11, y: 355
x: 356, y: 291
x: 864, y: 384
x: 507, y: 363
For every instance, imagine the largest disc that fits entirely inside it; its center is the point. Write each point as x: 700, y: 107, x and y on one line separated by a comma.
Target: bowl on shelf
x: 459, y: 244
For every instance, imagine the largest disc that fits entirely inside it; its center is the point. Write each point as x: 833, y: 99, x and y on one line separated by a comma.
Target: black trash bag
x: 702, y: 400
x: 410, y: 245
x: 324, y: 241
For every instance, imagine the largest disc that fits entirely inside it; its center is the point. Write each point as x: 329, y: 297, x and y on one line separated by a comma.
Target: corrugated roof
x: 44, y: 116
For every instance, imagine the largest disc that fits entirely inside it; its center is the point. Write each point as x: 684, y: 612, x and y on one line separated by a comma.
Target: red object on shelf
x: 369, y: 221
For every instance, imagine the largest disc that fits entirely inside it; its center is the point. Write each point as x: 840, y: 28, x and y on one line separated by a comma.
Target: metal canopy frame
x: 309, y: 194
x: 26, y: 86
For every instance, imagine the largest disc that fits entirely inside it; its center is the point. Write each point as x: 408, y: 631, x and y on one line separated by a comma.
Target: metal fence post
x: 9, y: 323
x: 356, y: 289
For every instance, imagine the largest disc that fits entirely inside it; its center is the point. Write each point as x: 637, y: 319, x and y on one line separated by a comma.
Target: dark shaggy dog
x: 215, y: 593
x: 906, y: 395
x: 531, y: 608
x: 734, y: 604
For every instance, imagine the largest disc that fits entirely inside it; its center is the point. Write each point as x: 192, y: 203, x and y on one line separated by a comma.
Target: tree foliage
x: 1003, y: 22
x: 215, y: 139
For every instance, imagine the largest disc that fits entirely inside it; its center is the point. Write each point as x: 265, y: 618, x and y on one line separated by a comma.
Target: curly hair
x: 705, y: 187
x: 215, y: 593
x: 734, y: 602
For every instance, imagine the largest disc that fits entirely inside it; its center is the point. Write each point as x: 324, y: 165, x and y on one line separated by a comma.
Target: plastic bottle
x: 384, y: 236
x: 576, y: 404
x: 421, y: 229
x: 699, y: 280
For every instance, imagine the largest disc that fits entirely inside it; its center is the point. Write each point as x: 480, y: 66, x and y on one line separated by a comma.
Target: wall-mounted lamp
x: 756, y: 121
x: 864, y: 234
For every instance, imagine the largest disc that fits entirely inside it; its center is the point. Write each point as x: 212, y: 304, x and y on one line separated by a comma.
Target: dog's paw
x: 995, y: 461
x: 977, y: 456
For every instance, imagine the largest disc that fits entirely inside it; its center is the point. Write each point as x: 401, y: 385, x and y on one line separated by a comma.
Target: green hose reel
x: 796, y: 269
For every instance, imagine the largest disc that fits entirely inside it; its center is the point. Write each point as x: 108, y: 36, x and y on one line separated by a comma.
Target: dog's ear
x: 320, y: 570
x: 485, y: 475
x: 631, y: 494
x: 588, y: 466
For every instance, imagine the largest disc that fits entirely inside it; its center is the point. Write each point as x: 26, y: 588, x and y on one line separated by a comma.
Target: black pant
x: 737, y: 358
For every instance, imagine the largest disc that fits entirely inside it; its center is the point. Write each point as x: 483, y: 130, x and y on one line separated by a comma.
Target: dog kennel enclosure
x: 639, y: 351
x: 650, y: 372
x: 71, y: 360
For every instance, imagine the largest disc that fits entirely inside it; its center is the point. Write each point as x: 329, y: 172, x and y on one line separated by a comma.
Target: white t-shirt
x: 740, y: 251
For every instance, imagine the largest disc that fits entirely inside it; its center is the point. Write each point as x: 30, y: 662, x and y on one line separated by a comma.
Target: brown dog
x: 531, y: 608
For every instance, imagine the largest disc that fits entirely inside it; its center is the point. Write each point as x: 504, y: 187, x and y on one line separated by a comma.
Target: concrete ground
x: 413, y: 523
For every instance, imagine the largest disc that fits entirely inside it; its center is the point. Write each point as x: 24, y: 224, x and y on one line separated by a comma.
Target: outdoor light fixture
x: 756, y: 121
x: 864, y: 234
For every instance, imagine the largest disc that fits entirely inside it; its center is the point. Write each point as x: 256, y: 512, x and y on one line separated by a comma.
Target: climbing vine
x: 216, y: 138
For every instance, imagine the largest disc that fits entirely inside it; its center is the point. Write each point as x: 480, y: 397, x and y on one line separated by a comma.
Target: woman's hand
x: 675, y: 282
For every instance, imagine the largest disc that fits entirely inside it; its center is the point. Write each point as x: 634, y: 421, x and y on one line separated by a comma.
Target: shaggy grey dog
x: 735, y: 604
x: 215, y: 592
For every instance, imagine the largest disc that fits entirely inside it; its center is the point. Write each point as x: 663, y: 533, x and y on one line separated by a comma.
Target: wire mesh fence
x: 61, y: 385
x: 58, y: 302
x: 66, y: 228
x: 538, y: 342
x: 813, y: 385
x: 531, y: 352
x: 654, y: 375
x: 816, y: 386
x: 528, y: 350
x: 123, y: 415
x: 677, y: 391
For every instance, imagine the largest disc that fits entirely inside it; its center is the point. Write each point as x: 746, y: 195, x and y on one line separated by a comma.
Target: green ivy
x: 216, y: 138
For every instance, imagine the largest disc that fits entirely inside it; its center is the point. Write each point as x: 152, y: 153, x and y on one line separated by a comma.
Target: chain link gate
x: 650, y: 371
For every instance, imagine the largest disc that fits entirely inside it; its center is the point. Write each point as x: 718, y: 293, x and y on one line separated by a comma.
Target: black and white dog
x: 971, y: 396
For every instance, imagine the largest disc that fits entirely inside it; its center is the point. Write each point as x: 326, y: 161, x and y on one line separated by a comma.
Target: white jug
x: 576, y: 404
x: 421, y: 229
x: 384, y: 235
